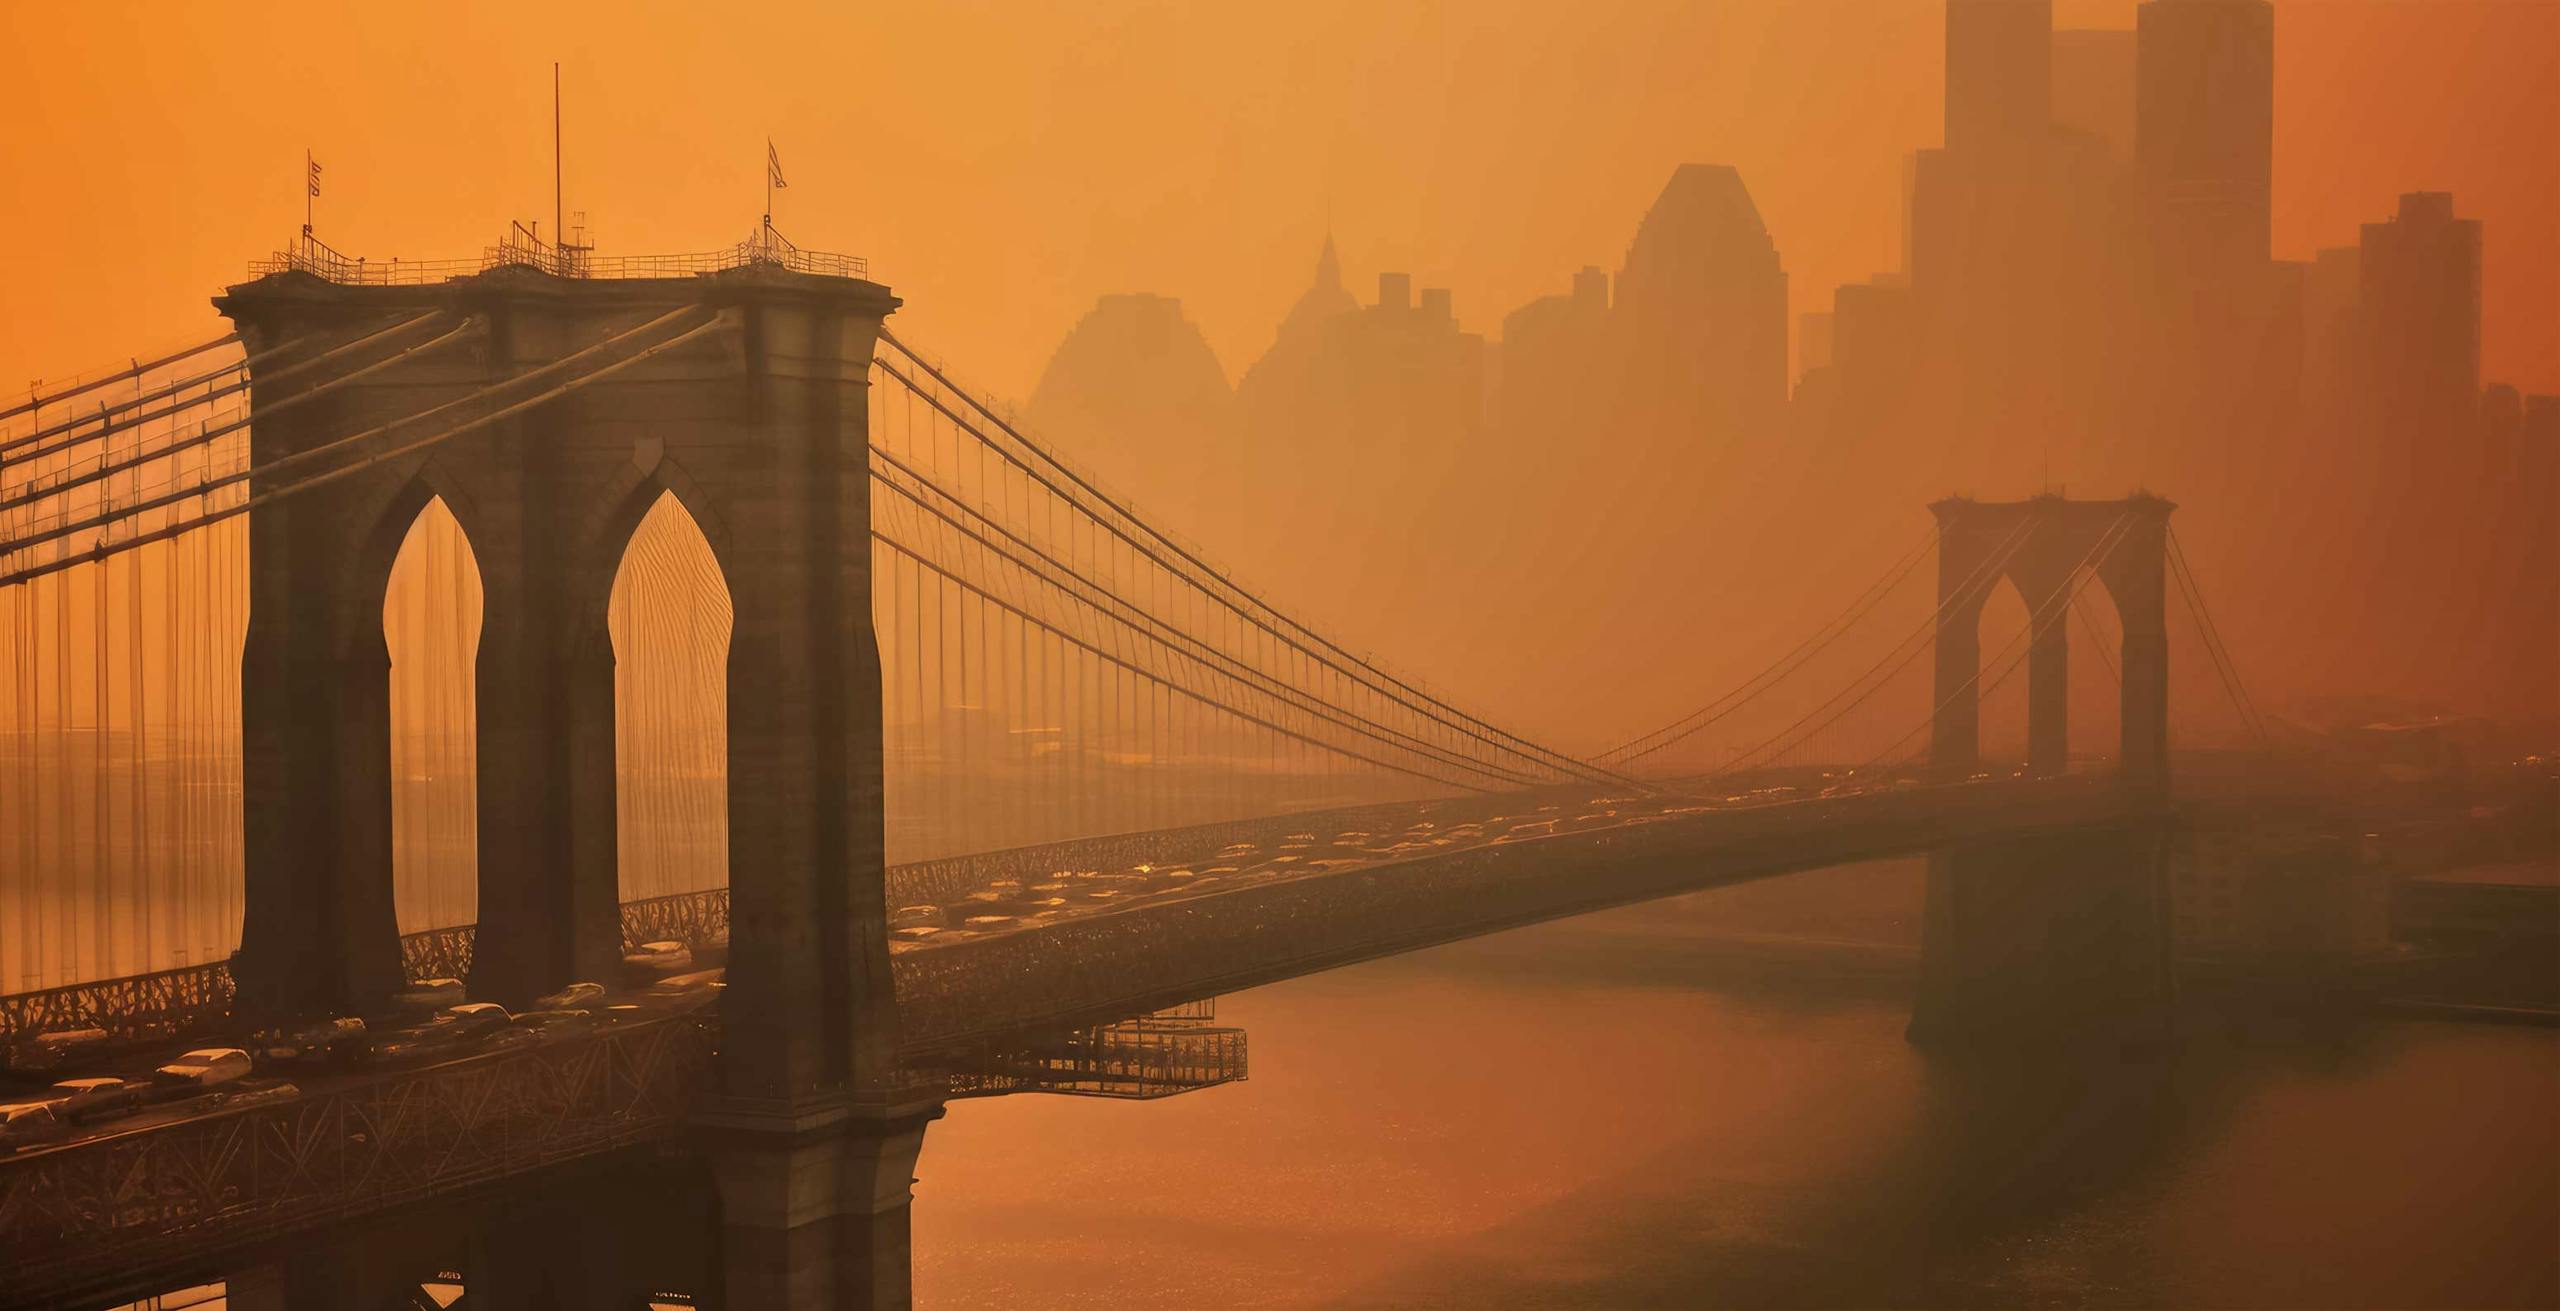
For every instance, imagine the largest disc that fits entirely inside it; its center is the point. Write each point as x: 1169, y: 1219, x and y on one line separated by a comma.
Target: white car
x: 22, y: 1123
x: 81, y: 1100
x: 205, y: 1067
x: 475, y: 1017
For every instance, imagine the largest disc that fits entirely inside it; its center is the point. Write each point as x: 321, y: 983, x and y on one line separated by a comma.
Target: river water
x: 1709, y: 1102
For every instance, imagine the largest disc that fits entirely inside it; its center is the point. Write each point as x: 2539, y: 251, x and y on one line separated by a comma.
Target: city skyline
x: 1283, y: 160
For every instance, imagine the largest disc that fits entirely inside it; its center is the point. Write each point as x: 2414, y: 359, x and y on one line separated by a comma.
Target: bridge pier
x: 817, y: 1219
x: 2059, y: 937
x: 602, y: 1235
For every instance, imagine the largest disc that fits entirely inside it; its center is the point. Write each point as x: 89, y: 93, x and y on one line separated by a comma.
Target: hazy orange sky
x: 1003, y: 163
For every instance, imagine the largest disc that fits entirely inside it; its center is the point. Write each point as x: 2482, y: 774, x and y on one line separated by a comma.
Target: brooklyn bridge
x: 928, y: 620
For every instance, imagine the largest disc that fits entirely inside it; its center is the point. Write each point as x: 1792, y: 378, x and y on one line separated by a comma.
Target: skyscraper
x: 1135, y: 393
x: 1554, y: 350
x: 2014, y: 246
x: 1999, y: 76
x: 2418, y: 291
x: 2204, y: 131
x: 2333, y: 377
x: 1702, y: 310
x: 1354, y: 422
x: 2093, y: 86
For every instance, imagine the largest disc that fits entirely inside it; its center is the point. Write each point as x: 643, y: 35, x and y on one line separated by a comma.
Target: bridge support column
x: 818, y: 1220
x: 2049, y: 684
x: 810, y: 1020
x: 2138, y: 578
x: 1955, y: 735
x: 2053, y: 937
x: 317, y: 929
x: 550, y: 889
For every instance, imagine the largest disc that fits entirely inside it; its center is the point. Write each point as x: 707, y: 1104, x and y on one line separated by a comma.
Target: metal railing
x: 162, y: 1004
x: 197, y: 998
x: 764, y: 246
x: 437, y: 954
x: 1165, y: 1054
x: 695, y: 919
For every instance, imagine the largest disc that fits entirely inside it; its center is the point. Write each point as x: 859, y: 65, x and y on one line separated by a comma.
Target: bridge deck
x: 1454, y: 870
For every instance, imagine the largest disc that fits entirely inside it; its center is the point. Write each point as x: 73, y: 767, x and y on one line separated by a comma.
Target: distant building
x: 1364, y: 411
x: 1859, y: 356
x: 1398, y: 371
x: 2332, y: 372
x: 2487, y: 935
x: 2016, y: 243
x: 1874, y: 350
x: 1702, y: 312
x: 1999, y: 77
x: 2541, y: 421
x: 2418, y: 293
x: 1399, y: 366
x: 1555, y: 351
x: 2093, y: 79
x: 1813, y: 340
x: 2204, y: 130
x: 1324, y: 300
x: 1135, y: 393
x: 2240, y: 897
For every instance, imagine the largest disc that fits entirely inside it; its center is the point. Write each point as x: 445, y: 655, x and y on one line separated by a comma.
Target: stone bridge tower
x: 743, y: 393
x: 2041, y: 546
x: 2050, y: 935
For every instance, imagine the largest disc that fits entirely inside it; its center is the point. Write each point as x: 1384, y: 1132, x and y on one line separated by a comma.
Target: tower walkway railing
x: 309, y: 254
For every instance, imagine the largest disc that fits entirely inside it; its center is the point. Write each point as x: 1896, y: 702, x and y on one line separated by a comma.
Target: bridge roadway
x: 1228, y: 907
x: 1018, y: 943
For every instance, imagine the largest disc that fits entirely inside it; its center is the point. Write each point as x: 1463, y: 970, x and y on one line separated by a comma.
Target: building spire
x: 1324, y: 298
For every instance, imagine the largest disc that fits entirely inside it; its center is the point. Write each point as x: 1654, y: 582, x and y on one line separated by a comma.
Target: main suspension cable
x: 1209, y: 579
x: 138, y: 368
x: 1697, y: 720
x: 1189, y: 646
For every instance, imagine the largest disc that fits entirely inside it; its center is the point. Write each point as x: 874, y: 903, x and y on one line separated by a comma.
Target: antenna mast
x: 559, y: 228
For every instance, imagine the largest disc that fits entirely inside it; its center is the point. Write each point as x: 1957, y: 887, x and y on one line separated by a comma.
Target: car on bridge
x: 206, y: 1067
x: 102, y: 1098
x: 61, y: 1047
x: 473, y: 1018
x: 24, y: 1124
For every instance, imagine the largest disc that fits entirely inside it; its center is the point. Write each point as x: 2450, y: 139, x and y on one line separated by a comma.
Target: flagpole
x: 307, y: 191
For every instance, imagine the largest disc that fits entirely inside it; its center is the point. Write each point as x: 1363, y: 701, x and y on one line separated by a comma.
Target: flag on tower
x: 312, y: 169
x: 772, y: 165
